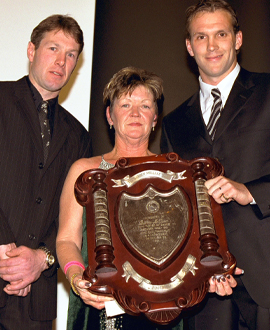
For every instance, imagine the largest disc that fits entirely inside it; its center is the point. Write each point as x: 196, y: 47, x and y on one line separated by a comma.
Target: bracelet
x: 72, y: 284
x: 72, y: 263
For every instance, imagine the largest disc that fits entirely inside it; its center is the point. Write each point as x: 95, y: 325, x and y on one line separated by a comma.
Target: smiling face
x: 133, y: 116
x: 213, y: 44
x: 52, y: 63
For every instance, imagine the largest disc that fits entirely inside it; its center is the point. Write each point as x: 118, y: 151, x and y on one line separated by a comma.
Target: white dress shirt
x: 225, y: 86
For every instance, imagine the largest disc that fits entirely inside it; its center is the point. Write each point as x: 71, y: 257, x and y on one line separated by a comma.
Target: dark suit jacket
x: 242, y: 145
x: 30, y: 191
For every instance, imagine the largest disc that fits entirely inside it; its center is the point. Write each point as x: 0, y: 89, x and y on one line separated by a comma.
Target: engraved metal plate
x: 154, y: 223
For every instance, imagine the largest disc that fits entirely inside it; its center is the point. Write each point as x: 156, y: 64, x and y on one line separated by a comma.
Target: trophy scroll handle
x: 208, y: 237
x: 104, y: 248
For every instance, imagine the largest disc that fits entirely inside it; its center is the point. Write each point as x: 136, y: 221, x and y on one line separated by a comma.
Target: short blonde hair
x: 210, y: 6
x: 127, y: 79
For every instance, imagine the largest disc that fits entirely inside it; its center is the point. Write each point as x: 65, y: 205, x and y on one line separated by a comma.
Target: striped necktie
x: 215, y: 112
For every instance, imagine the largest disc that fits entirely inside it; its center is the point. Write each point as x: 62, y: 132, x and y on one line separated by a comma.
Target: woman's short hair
x: 210, y: 6
x: 127, y: 79
x: 63, y: 23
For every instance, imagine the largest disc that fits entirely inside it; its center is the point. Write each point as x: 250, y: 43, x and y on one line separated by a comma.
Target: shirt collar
x: 38, y: 98
x: 224, y: 86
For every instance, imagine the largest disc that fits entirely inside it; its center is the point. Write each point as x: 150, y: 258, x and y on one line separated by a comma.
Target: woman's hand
x: 82, y: 286
x: 223, y: 285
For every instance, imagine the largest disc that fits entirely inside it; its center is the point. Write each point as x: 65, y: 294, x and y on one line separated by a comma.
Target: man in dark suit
x: 32, y: 173
x: 239, y: 136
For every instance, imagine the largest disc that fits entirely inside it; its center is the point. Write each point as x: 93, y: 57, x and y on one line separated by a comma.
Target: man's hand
x: 224, y: 190
x: 22, y: 292
x: 5, y: 248
x: 22, y: 267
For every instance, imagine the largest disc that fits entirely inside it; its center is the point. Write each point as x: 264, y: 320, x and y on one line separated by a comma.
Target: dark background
x: 149, y: 34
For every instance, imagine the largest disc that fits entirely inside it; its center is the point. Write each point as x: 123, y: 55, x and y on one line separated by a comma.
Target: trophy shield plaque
x: 154, y: 235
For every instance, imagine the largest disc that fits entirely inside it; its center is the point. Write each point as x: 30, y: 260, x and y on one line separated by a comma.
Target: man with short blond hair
x: 39, y: 142
x: 229, y: 119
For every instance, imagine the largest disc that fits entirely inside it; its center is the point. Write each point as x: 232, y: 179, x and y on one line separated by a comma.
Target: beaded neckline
x: 105, y: 165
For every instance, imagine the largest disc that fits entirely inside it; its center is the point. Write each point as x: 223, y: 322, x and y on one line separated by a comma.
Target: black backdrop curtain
x: 149, y: 34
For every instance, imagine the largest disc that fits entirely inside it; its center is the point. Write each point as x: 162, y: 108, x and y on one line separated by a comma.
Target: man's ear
x: 31, y: 51
x: 189, y: 47
x: 238, y: 40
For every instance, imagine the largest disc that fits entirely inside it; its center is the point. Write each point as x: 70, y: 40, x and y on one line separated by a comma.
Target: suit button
x: 39, y: 200
x: 32, y: 237
x: 41, y: 166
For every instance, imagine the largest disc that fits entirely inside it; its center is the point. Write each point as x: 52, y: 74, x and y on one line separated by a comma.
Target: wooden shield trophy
x: 154, y: 235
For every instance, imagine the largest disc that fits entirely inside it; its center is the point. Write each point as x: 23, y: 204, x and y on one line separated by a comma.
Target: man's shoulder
x: 5, y: 86
x: 262, y: 77
x: 180, y: 110
x: 77, y: 128
x: 69, y: 117
x: 11, y: 90
x: 11, y: 85
x: 78, y: 137
x: 251, y: 78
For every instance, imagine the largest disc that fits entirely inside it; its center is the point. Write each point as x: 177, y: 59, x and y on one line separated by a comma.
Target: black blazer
x: 242, y: 145
x: 30, y: 190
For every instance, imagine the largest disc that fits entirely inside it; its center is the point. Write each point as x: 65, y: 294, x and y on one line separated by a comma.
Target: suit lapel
x: 60, y: 133
x: 238, y: 96
x: 28, y: 110
x: 194, y: 115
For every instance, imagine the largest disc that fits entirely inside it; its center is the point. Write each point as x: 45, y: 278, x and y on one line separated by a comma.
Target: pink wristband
x: 73, y: 263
